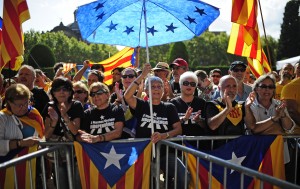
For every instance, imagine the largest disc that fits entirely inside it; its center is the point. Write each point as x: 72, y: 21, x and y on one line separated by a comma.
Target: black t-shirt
x: 164, y: 116
x: 98, y: 122
x: 233, y: 123
x: 175, y: 88
x: 40, y: 99
x: 75, y: 111
x: 190, y: 127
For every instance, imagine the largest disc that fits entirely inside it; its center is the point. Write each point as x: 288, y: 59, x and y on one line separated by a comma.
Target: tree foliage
x: 178, y: 50
x: 289, y: 41
x: 41, y: 55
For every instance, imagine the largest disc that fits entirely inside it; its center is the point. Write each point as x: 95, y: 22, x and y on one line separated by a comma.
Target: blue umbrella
x: 124, y: 22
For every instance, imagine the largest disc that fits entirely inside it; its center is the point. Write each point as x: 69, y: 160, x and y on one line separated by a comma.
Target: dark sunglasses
x: 99, y: 92
x: 218, y: 76
x: 186, y: 83
x: 267, y: 86
x: 239, y: 69
x: 64, y: 89
x: 130, y: 76
x: 80, y: 91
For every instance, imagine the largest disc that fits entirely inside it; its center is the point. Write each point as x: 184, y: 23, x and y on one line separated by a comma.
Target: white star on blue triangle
x: 151, y: 30
x: 112, y: 26
x: 171, y: 28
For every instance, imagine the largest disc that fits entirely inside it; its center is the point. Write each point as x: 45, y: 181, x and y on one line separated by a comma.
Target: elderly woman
x: 271, y: 115
x: 104, y: 121
x: 19, y: 120
x: 165, y: 119
x: 81, y: 93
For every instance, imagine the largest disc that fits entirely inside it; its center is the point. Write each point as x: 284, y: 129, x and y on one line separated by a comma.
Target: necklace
x: 189, y: 104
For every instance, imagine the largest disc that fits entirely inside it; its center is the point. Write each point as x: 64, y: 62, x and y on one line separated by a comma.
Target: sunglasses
x: 239, y: 69
x: 21, y: 105
x: 129, y: 76
x: 80, y: 91
x: 267, y: 86
x: 186, y: 83
x: 218, y: 76
x: 64, y: 89
x: 99, y: 92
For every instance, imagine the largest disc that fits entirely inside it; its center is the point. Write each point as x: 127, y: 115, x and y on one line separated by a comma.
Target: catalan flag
x: 22, y: 170
x: 244, y: 12
x: 15, y: 12
x: 1, y: 23
x: 67, y: 67
x: 260, y: 153
x: 114, y: 164
x: 124, y: 58
x: 259, y: 68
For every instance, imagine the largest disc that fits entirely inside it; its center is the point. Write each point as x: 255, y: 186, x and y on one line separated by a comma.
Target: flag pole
x: 267, y: 44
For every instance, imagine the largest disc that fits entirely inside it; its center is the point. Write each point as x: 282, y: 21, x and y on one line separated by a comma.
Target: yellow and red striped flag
x: 15, y: 12
x: 124, y: 58
x: 259, y: 68
x: 244, y: 12
x: 7, y: 178
x: 245, y: 42
x: 68, y: 67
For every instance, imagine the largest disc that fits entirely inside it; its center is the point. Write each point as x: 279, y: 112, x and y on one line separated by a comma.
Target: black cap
x: 237, y: 63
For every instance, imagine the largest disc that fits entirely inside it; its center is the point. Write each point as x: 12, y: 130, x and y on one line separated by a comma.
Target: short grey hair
x: 153, y: 79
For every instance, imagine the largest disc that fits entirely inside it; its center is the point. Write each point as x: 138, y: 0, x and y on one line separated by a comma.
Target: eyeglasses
x: 99, y: 92
x: 267, y: 86
x: 64, y: 89
x: 218, y: 76
x: 186, y: 83
x: 239, y: 69
x: 21, y: 105
x: 158, y: 87
x: 80, y: 91
x: 129, y: 76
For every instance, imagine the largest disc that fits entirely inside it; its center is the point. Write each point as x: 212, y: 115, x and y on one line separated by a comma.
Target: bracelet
x: 135, y: 82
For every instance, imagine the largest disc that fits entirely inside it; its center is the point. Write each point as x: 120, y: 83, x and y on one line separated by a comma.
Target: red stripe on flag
x: 86, y: 168
x: 21, y: 170
x: 101, y: 181
x: 203, y: 175
x: 138, y: 172
x: 22, y: 7
x: 121, y: 183
x: 252, y: 17
x: 2, y: 178
x: 240, y: 42
x: 118, y: 63
x: 237, y: 6
x: 267, y: 167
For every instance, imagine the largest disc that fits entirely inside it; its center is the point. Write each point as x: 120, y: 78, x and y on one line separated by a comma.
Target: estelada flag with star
x: 260, y: 153
x: 114, y: 164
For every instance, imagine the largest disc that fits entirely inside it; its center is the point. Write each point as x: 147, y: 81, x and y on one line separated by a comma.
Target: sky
x: 46, y: 14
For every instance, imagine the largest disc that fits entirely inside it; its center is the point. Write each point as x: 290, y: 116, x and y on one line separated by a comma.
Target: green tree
x: 41, y: 56
x: 289, y: 44
x: 178, y: 50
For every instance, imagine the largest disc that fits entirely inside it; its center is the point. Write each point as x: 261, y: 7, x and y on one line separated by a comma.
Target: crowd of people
x: 183, y: 102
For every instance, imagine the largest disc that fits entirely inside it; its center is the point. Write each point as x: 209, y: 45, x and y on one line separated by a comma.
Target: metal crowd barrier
x: 54, y: 147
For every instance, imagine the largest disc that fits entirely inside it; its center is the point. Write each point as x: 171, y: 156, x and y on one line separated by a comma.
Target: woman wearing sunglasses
x: 81, y: 93
x: 104, y: 121
x: 165, y: 119
x: 128, y: 76
x: 271, y: 115
x: 62, y: 118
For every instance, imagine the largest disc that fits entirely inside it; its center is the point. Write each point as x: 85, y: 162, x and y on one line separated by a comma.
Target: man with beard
x: 237, y: 70
x: 286, y: 76
x: 225, y: 115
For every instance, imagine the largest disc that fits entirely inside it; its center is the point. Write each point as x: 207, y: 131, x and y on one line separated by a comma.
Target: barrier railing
x: 155, y: 172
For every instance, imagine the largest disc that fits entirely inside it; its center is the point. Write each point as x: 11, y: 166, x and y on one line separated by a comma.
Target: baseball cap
x: 162, y: 66
x: 237, y: 63
x: 179, y: 62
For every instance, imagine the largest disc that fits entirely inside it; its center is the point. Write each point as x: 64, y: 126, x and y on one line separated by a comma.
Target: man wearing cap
x: 178, y: 67
x: 237, y: 70
x: 162, y: 71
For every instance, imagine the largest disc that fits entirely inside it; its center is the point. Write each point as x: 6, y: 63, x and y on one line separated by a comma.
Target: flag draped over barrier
x: 114, y: 165
x: 15, y: 12
x: 260, y: 153
x: 245, y: 38
x: 124, y: 58
x: 22, y: 170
